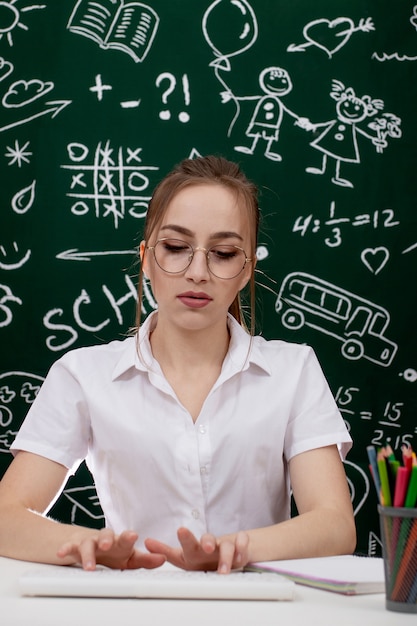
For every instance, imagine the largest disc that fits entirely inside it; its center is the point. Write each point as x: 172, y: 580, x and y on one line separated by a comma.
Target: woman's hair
x: 206, y: 170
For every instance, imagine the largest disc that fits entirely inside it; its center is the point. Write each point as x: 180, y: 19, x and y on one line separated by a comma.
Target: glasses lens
x: 226, y: 261
x: 173, y: 255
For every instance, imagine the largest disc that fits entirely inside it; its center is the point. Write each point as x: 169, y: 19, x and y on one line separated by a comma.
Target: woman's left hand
x: 210, y: 553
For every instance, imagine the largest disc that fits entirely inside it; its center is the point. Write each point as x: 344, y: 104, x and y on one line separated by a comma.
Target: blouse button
x: 195, y: 513
x: 202, y: 429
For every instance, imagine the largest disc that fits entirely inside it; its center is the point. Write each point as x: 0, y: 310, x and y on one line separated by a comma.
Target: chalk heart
x: 6, y: 68
x: 375, y: 258
x: 329, y: 35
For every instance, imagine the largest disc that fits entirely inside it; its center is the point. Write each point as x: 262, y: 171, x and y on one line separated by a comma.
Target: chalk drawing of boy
x: 266, y: 119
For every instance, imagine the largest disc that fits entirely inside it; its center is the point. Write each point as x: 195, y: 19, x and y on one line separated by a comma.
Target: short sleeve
x: 315, y: 419
x: 57, y: 425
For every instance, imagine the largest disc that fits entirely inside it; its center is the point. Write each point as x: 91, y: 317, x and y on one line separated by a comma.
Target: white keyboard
x: 159, y: 583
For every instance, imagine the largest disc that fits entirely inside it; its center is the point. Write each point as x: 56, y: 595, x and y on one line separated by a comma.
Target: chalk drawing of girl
x: 339, y: 138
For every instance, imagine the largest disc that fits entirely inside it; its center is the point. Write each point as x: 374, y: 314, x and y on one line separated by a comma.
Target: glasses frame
x: 193, y: 251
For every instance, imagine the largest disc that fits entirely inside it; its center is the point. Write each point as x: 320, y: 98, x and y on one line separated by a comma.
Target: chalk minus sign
x: 130, y: 104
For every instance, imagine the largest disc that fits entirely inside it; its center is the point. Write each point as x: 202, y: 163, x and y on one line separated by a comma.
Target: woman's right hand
x: 104, y: 547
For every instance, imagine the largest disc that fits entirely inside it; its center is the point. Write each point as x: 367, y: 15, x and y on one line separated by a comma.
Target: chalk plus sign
x: 99, y: 87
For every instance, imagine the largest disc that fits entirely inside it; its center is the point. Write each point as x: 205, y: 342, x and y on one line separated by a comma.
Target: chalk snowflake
x: 18, y: 154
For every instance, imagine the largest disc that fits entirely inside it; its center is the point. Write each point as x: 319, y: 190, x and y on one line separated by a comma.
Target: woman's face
x: 203, y: 216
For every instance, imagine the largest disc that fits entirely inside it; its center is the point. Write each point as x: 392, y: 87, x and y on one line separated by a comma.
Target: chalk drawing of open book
x: 127, y: 26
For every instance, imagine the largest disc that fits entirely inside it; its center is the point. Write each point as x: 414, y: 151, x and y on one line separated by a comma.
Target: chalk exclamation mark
x: 184, y: 116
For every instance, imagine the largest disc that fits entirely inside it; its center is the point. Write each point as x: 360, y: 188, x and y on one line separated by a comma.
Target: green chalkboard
x: 316, y: 101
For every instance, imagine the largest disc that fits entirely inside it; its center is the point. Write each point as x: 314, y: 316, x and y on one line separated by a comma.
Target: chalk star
x: 100, y: 88
x: 17, y: 154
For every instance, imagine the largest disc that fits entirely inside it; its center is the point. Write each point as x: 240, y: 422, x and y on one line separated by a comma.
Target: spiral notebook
x: 347, y: 574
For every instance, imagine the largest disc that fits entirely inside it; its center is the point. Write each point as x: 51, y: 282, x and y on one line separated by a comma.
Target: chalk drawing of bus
x: 358, y: 323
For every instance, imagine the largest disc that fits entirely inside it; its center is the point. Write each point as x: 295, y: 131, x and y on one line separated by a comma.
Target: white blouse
x: 154, y: 468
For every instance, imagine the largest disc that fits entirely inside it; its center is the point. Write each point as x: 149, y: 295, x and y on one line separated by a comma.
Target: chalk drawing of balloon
x: 230, y: 27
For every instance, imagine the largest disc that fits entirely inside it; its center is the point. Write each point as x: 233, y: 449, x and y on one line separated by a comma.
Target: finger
x: 187, y: 540
x: 142, y: 559
x: 65, y: 550
x: 71, y: 550
x: 208, y: 543
x: 241, y: 549
x: 170, y: 554
x: 226, y: 556
x: 199, y: 554
x: 157, y: 547
x: 105, y: 539
x: 87, y: 550
x: 127, y: 539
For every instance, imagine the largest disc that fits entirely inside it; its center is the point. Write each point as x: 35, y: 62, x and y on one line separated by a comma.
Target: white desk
x: 310, y: 606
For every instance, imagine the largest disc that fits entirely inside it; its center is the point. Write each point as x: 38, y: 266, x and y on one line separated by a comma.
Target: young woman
x: 195, y: 430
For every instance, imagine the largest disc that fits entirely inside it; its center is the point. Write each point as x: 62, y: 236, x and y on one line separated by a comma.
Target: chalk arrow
x: 74, y: 255
x: 293, y: 47
x: 54, y: 108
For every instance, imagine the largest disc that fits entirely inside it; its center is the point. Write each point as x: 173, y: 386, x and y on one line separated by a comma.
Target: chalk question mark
x: 166, y: 114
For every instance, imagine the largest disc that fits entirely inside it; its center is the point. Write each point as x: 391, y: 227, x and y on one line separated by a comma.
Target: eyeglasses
x: 175, y: 256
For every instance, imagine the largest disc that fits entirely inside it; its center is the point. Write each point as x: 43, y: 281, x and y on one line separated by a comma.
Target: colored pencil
x: 373, y: 466
x: 401, y: 485
x: 383, y: 477
x: 411, y: 497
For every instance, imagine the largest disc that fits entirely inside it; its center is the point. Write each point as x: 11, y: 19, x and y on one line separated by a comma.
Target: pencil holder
x: 399, y: 549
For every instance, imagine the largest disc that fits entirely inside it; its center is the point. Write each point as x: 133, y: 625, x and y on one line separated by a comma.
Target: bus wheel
x: 292, y: 319
x: 353, y: 349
